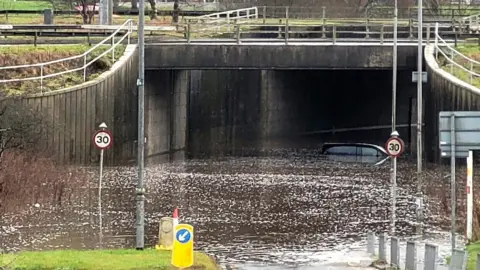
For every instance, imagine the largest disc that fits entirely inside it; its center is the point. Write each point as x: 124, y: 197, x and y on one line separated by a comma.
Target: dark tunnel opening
x: 240, y: 112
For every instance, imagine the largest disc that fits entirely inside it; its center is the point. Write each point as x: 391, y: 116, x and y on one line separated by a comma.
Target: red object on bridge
x: 468, y: 190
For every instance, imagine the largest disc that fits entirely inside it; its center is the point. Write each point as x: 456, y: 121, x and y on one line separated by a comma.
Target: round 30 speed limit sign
x: 394, y: 146
x: 102, y: 139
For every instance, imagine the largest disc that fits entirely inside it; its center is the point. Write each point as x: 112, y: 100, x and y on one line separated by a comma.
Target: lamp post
x: 140, y: 191
x: 419, y: 119
x: 393, y: 175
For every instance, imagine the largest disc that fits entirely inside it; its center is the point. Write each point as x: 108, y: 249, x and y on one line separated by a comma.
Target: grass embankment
x: 472, y: 51
x: 28, y: 54
x: 119, y: 259
x: 473, y: 250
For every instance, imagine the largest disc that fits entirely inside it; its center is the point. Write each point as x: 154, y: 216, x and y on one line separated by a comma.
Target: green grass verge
x: 29, y: 54
x: 118, y: 259
x: 472, y: 250
x: 472, y: 51
x: 24, y: 5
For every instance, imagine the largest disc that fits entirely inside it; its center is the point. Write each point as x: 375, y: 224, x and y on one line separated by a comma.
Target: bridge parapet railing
x: 41, y: 72
x: 471, y: 22
x: 302, y: 32
x: 459, y: 64
x: 226, y: 17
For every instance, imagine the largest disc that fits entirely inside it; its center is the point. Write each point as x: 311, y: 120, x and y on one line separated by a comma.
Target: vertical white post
x: 469, y: 195
x: 41, y: 78
x: 100, y: 225
x: 436, y: 41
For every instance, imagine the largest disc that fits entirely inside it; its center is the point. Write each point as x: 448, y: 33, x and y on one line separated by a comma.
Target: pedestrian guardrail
x: 455, y: 59
x: 472, y: 22
x: 378, y: 247
x: 298, y: 33
x: 110, y: 40
x: 216, y: 20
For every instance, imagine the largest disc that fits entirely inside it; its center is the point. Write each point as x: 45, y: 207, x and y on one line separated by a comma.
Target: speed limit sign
x: 102, y: 139
x: 394, y: 146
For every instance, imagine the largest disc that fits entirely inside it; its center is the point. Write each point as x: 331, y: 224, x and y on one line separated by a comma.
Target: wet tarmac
x: 289, y: 211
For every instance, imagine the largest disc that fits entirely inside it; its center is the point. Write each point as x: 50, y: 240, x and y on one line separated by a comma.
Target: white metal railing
x: 227, y: 16
x: 472, y: 21
x: 450, y: 53
x: 128, y: 25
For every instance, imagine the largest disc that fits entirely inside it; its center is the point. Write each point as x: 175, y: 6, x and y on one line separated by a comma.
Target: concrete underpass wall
x: 444, y: 92
x: 248, y: 56
x: 237, y: 110
x: 166, y: 101
x: 75, y: 113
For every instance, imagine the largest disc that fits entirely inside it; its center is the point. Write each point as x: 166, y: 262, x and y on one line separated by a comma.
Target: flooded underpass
x: 287, y: 208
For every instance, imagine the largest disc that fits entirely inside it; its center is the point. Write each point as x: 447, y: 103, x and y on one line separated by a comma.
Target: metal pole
x: 100, y: 223
x: 452, y: 176
x: 141, y: 128
x: 394, y: 116
x: 419, y: 119
x: 469, y: 195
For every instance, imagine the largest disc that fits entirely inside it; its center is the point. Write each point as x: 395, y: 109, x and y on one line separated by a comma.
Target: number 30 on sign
x: 102, y: 139
x: 394, y: 146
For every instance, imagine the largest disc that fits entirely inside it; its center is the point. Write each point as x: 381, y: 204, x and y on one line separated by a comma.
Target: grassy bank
x: 472, y: 51
x: 29, y: 54
x: 119, y: 259
x: 473, y: 250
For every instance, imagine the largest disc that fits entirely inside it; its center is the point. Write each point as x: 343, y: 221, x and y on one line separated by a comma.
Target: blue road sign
x: 183, y: 236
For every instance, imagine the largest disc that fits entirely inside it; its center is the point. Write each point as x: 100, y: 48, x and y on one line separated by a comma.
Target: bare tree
x: 153, y: 11
x: 87, y: 10
x: 21, y: 127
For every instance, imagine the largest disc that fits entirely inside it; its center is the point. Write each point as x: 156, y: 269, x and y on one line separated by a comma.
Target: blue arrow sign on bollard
x: 183, y: 236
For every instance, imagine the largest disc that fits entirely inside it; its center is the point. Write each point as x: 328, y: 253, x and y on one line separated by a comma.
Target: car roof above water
x: 330, y: 145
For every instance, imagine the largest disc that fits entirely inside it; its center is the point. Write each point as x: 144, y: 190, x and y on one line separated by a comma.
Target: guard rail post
x: 323, y: 14
x: 410, y: 28
x: 85, y: 68
x: 451, y: 58
x: 428, y: 34
x: 237, y: 33
x: 41, y: 78
x: 188, y: 32
x: 334, y: 33
x: 436, y: 41
x: 264, y: 14
x: 286, y: 24
x: 470, y: 74
x: 381, y: 33
x: 367, y: 34
x: 256, y: 13
x: 323, y: 28
x: 113, y: 48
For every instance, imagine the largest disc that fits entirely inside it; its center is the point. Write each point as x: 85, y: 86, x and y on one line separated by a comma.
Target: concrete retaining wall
x: 76, y: 113
x: 247, y: 56
x: 444, y: 92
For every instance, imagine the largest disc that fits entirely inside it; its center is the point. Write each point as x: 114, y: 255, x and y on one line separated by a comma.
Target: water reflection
x: 281, y: 208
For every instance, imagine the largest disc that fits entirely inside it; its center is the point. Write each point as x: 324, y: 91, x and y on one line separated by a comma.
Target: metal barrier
x: 472, y: 22
x: 298, y: 32
x: 128, y: 25
x: 450, y: 53
x: 458, y: 260
x: 219, y: 19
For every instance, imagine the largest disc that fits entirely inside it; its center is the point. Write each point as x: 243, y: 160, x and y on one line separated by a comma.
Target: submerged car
x: 363, y: 153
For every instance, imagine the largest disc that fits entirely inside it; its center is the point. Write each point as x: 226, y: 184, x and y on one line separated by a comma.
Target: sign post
x: 469, y: 195
x: 182, y: 253
x: 102, y: 139
x: 394, y: 147
x: 459, y: 135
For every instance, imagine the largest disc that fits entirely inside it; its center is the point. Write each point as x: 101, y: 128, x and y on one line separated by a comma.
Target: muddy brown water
x: 279, y: 209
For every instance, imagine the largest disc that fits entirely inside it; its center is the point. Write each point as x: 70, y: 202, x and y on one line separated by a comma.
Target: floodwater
x: 287, y: 210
